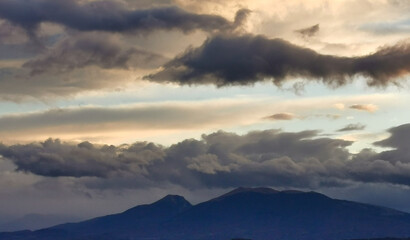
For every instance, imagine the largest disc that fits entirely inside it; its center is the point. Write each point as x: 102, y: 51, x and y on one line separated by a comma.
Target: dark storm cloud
x: 76, y: 63
x: 85, y: 50
x: 54, y: 159
x: 399, y: 139
x: 352, y: 127
x: 221, y: 159
x: 309, y: 31
x: 80, y: 60
x: 391, y: 166
x: 111, y: 16
x: 225, y: 60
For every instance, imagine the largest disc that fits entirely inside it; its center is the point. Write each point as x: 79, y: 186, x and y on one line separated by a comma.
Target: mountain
x: 244, y: 213
x: 138, y: 221
x: 35, y: 221
x: 385, y: 239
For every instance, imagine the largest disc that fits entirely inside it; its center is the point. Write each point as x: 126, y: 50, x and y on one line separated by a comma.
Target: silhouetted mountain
x: 138, y: 221
x: 35, y: 221
x: 384, y: 239
x: 244, y: 213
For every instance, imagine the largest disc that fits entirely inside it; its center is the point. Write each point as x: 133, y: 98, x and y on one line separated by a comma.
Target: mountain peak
x: 256, y: 189
x: 263, y: 190
x: 173, y: 200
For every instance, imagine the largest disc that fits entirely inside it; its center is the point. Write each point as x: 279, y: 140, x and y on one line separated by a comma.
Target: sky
x: 107, y: 104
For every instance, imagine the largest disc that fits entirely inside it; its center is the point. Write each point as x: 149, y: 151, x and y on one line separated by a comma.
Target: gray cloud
x: 10, y: 33
x: 55, y: 159
x: 225, y: 60
x: 64, y: 63
x: 281, y: 116
x: 85, y: 50
x: 398, y: 140
x: 78, y: 62
x: 352, y: 127
x: 19, y: 84
x: 221, y: 159
x: 18, y: 51
x: 309, y: 31
x: 364, y: 107
x: 14, y: 43
x: 390, y: 166
x: 112, y: 16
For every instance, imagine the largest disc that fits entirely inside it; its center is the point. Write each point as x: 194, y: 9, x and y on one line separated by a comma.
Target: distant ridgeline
x: 352, y: 239
x: 384, y: 239
x: 242, y: 214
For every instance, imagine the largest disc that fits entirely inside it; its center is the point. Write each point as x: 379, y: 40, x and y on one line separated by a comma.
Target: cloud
x: 83, y: 50
x: 145, y: 118
x: 398, y: 139
x: 10, y: 34
x: 19, y: 84
x: 14, y: 43
x: 221, y: 160
x: 55, y: 159
x: 352, y: 127
x: 364, y: 107
x: 290, y: 116
x: 197, y: 163
x: 226, y: 60
x: 281, y: 116
x: 111, y: 16
x: 309, y: 31
x: 332, y: 116
x: 148, y: 120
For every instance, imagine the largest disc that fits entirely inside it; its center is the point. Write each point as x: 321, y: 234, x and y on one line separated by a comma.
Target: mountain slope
x: 289, y: 215
x: 254, y: 213
x: 35, y: 221
x: 140, y: 221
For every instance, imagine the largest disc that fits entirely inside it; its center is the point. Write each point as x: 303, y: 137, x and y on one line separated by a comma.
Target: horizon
x: 109, y: 104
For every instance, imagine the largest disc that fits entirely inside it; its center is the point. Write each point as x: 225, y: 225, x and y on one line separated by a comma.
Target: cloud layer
x: 364, y: 107
x: 85, y: 50
x: 128, y: 121
x: 309, y: 31
x: 222, y: 159
x: 111, y: 16
x: 225, y: 60
x: 352, y: 127
x: 281, y: 116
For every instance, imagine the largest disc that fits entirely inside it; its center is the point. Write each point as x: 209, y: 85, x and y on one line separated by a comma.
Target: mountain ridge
x: 251, y: 213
